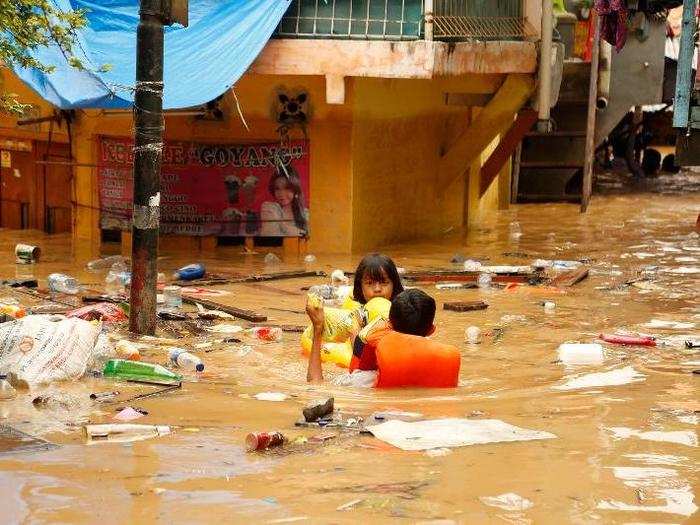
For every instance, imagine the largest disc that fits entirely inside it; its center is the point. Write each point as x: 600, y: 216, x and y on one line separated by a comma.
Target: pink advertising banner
x: 259, y: 189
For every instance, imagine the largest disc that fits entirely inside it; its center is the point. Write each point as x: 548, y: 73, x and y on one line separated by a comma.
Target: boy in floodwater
x: 412, y: 312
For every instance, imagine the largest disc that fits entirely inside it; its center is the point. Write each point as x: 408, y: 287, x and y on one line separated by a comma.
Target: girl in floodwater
x: 286, y: 216
x: 376, y: 276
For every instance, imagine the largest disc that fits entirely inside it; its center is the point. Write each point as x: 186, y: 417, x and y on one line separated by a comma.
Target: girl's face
x: 284, y: 195
x: 379, y: 288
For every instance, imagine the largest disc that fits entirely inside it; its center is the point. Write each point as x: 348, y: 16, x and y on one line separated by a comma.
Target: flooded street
x: 623, y: 453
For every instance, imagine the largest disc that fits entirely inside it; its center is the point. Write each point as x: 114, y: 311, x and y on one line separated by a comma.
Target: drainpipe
x: 604, y: 71
x: 545, y: 89
x: 428, y: 18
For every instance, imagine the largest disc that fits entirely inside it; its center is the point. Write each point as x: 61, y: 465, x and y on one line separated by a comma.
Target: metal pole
x: 681, y: 102
x: 589, y: 153
x: 544, y: 97
x: 428, y: 20
x: 148, y: 148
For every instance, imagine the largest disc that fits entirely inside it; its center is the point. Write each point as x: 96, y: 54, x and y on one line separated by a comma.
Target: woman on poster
x: 286, y: 216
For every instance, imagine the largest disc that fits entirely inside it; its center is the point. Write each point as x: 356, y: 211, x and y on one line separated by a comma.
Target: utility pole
x: 148, y: 150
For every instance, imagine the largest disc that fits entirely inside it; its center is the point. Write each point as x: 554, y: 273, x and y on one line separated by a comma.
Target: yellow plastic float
x: 340, y: 325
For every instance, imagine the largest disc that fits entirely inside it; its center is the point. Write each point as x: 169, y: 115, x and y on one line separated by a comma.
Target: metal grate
x: 403, y: 19
x: 479, y: 19
x: 353, y: 19
x: 463, y: 27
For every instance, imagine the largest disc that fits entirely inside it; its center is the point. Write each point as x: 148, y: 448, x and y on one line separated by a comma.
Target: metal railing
x: 403, y: 19
x: 479, y: 20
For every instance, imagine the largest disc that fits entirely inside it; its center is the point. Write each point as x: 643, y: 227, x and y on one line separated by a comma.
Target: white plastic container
x: 472, y: 335
x: 581, y: 353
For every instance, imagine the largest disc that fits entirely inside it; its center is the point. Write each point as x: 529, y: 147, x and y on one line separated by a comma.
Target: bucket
x: 27, y: 254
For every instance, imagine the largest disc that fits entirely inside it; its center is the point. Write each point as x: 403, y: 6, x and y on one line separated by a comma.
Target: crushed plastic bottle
x: 62, y: 283
x: 190, y: 272
x: 117, y: 279
x: 106, y: 262
x: 470, y: 265
x: 266, y: 333
x: 484, y: 280
x: 172, y: 296
x: 271, y: 258
x: 310, y: 258
x: 338, y: 278
x: 514, y: 230
x: 186, y: 360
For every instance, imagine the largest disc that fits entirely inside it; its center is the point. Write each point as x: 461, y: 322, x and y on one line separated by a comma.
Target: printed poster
x: 259, y: 189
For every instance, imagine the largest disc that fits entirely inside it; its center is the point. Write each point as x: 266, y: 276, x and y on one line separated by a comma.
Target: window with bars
x: 403, y: 19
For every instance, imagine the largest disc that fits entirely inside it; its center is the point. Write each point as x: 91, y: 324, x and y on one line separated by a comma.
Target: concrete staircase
x: 551, y: 163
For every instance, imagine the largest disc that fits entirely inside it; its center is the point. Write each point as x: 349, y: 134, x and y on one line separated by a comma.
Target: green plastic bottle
x: 138, y: 371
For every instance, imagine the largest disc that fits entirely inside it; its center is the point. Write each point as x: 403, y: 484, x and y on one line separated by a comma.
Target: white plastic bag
x: 38, y: 350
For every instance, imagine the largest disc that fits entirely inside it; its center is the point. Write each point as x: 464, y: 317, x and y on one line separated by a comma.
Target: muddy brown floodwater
x: 622, y: 454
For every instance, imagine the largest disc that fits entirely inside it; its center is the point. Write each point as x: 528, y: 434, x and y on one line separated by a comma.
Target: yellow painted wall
x: 400, y: 130
x: 373, y: 159
x: 329, y: 134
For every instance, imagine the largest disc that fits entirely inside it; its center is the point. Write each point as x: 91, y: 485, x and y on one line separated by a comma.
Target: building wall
x: 329, y: 134
x: 373, y: 159
x: 400, y: 130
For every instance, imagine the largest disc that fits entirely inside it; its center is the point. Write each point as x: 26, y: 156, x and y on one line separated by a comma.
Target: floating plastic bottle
x: 117, y: 278
x: 123, y: 432
x: 106, y: 262
x: 61, y: 283
x: 549, y: 306
x: 263, y: 440
x: 7, y: 391
x: 470, y: 265
x: 190, y: 272
x: 266, y: 333
x: 472, y: 335
x: 514, y: 230
x: 484, y: 280
x: 271, y: 258
x: 172, y: 296
x: 138, y: 371
x: 338, y: 278
x: 186, y: 360
x: 310, y: 259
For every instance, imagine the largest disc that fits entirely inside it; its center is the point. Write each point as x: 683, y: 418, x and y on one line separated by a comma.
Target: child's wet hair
x: 371, y: 266
x: 413, y: 312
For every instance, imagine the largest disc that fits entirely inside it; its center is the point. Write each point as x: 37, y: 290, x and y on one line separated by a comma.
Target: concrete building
x: 406, y: 106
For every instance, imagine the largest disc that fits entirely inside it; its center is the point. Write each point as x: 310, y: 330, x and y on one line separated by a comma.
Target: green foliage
x: 27, y: 25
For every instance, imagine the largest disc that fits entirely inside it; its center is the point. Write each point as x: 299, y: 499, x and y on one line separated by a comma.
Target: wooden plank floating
x: 434, y: 276
x: 465, y: 306
x: 570, y: 278
x: 275, y: 276
x: 247, y: 315
x: 271, y: 289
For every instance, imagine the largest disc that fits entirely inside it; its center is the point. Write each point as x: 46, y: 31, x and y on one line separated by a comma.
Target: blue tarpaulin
x: 202, y: 61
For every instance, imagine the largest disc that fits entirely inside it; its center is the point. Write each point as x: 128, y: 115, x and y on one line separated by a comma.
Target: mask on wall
x: 291, y: 109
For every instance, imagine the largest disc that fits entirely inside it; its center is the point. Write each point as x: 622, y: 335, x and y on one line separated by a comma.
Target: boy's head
x: 413, y: 312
